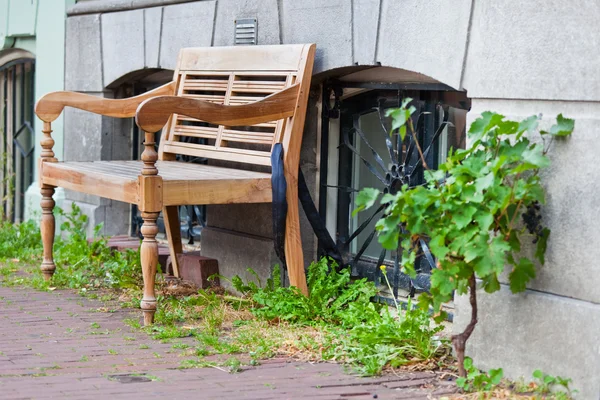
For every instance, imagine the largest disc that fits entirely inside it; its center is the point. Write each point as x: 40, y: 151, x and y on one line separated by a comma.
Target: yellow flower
x: 383, y: 268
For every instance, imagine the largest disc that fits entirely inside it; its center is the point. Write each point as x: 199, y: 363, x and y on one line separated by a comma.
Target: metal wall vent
x: 246, y: 31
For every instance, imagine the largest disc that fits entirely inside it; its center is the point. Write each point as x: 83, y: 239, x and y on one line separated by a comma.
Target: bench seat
x: 183, y: 183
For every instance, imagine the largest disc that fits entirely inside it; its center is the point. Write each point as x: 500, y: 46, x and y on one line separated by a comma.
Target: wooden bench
x: 224, y: 103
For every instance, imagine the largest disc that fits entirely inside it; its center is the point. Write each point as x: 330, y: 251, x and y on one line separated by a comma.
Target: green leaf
x: 496, y: 376
x: 538, y: 374
x: 441, y: 281
x: 563, y: 127
x: 521, y: 274
x: 484, y: 220
x: 365, y: 199
x: 542, y: 243
x: 528, y: 125
x: 536, y: 157
x: 468, y: 363
x: 484, y: 182
x: 491, y: 283
x: 479, y: 126
x: 463, y: 216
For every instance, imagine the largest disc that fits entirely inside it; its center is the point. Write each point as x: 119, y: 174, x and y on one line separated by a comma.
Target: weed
x: 477, y: 380
x: 547, y: 384
x: 113, y: 352
x: 234, y: 365
x: 143, y: 346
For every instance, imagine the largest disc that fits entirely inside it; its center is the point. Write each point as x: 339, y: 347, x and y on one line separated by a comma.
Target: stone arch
x: 10, y: 55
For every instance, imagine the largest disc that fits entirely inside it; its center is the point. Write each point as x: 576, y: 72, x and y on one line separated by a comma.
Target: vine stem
x: 459, y: 341
x: 414, y: 135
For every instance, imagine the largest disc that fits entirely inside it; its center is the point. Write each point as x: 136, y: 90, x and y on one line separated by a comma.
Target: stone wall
x: 526, y: 58
x: 515, y: 57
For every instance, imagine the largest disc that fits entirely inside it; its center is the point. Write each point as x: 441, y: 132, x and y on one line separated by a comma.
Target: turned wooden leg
x: 173, y: 228
x: 47, y: 227
x: 293, y: 243
x: 149, y: 258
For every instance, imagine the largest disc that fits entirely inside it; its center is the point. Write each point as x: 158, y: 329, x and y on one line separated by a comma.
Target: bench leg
x: 149, y: 259
x: 293, y: 243
x: 173, y: 228
x: 47, y: 227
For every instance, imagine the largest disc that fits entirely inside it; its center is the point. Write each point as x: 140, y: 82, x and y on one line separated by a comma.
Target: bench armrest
x: 50, y: 106
x: 154, y: 113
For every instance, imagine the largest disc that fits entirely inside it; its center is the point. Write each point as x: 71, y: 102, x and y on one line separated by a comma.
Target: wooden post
x: 47, y: 224
x: 150, y: 205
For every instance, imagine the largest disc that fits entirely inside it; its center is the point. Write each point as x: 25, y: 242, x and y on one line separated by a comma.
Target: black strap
x: 279, y: 187
x: 328, y: 245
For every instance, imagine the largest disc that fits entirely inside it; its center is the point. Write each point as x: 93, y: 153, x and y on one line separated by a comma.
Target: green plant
x: 358, y: 331
x: 334, y: 297
x: 477, y: 380
x: 546, y: 384
x: 475, y: 210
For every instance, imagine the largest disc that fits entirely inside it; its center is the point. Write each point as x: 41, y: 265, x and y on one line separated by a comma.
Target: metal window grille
x: 17, y: 142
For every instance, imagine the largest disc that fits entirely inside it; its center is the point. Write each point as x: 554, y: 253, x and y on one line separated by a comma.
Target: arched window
x: 360, y: 150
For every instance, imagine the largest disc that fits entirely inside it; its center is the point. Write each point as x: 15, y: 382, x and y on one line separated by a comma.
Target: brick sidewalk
x: 50, y: 348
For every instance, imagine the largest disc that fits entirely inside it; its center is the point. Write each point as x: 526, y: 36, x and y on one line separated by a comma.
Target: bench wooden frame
x: 239, y: 100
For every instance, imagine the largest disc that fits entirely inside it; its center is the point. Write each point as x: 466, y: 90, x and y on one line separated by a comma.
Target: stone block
x: 428, y: 37
x: 83, y: 54
x: 364, y: 32
x: 253, y: 219
x: 265, y: 11
x: 117, y: 138
x: 327, y: 23
x: 122, y: 44
x: 237, y: 252
x: 86, y: 198
x: 572, y: 198
x: 533, y: 330
x: 185, y: 25
x: 152, y: 27
x: 534, y: 50
x: 83, y: 135
x: 117, y: 218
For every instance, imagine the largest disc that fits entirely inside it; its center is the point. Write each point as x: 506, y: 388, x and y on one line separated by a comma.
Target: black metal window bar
x: 17, y: 142
x: 372, y: 155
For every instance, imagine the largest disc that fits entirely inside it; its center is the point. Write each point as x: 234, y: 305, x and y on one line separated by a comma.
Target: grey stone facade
x: 519, y: 58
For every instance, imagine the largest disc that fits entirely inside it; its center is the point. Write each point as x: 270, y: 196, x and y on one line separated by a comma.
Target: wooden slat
x: 195, y: 131
x: 224, y: 153
x: 219, y: 142
x: 213, y: 98
x: 249, y: 58
x: 205, y: 84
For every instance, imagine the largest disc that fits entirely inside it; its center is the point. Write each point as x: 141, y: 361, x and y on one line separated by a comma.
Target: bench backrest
x: 234, y: 76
